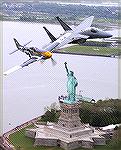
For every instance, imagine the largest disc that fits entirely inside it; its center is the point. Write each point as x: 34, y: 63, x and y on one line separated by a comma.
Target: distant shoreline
x: 82, y: 3
x: 73, y: 2
x: 74, y: 53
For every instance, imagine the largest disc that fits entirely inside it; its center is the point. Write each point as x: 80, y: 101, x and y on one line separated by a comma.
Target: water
x: 26, y: 92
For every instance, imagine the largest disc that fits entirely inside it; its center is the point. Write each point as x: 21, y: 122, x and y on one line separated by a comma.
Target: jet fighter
x: 84, y: 31
x: 80, y: 33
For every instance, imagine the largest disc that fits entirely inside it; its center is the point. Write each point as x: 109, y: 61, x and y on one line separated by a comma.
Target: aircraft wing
x: 72, y: 37
x: 81, y: 36
x: 26, y: 63
x: 52, y: 46
x: 84, y: 24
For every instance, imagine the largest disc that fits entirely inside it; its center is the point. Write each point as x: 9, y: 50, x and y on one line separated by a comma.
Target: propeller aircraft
x: 35, y: 54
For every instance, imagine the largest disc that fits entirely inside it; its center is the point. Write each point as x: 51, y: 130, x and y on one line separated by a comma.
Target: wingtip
x: 4, y: 74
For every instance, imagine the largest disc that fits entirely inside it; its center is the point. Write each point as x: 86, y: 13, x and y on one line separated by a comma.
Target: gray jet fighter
x: 80, y: 33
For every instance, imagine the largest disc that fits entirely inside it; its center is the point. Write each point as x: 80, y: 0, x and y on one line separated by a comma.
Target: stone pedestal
x: 69, y: 133
x: 69, y: 117
x: 69, y: 125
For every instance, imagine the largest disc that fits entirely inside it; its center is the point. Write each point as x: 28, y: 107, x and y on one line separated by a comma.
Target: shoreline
x: 74, y: 53
x: 4, y: 139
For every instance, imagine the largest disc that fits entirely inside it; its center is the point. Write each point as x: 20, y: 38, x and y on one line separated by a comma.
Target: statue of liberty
x: 71, y: 86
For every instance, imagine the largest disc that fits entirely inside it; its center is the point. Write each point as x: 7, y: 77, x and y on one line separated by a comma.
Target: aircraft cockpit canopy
x: 33, y: 48
x: 94, y: 30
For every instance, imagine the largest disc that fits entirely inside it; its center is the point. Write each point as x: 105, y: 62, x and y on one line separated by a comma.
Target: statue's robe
x: 71, y: 87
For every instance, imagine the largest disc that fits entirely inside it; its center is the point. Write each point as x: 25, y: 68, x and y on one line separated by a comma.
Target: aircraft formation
x: 76, y: 35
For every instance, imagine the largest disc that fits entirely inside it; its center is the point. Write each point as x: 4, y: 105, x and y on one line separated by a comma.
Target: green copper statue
x: 71, y: 86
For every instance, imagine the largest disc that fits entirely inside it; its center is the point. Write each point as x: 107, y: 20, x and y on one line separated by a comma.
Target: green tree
x: 51, y: 116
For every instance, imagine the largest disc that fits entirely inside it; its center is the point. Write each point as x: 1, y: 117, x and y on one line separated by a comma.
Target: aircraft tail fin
x: 17, y: 43
x: 64, y: 25
x: 19, y: 47
x: 50, y: 34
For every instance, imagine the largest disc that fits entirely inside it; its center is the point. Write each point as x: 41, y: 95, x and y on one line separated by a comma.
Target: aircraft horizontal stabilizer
x: 12, y: 70
x: 13, y: 51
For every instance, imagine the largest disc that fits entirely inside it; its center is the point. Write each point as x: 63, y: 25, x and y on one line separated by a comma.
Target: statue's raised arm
x: 66, y: 67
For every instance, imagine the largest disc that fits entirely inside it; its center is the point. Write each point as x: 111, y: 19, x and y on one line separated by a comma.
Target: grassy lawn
x: 92, y: 50
x: 21, y: 142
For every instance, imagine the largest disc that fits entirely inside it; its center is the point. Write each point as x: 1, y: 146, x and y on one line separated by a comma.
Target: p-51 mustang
x: 35, y: 54
x: 80, y: 33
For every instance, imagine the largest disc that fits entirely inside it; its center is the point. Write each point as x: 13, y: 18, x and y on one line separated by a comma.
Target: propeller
x: 53, y: 61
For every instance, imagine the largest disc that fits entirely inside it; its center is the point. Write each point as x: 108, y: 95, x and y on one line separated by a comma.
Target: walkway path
x: 5, y: 143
